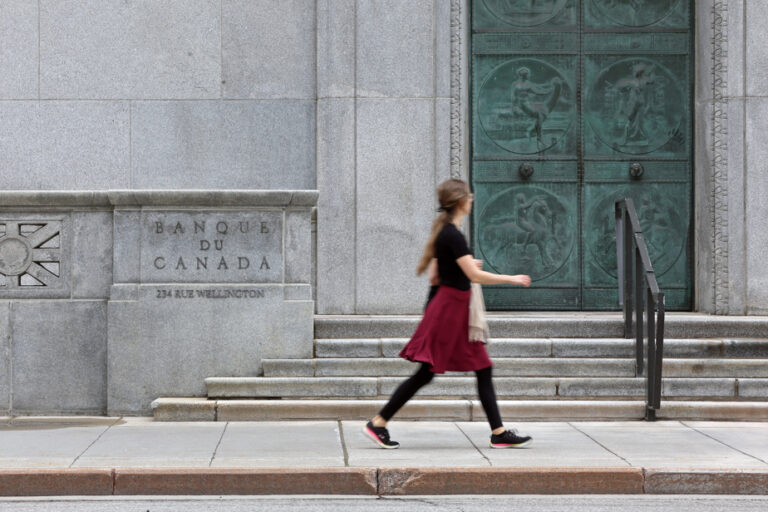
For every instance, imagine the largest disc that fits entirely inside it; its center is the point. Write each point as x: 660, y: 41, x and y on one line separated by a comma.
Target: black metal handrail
x: 639, y: 288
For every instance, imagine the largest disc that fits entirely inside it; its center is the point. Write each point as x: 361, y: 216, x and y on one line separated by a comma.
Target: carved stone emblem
x: 635, y: 13
x: 30, y: 253
x: 525, y: 13
x: 526, y: 106
x: 526, y: 229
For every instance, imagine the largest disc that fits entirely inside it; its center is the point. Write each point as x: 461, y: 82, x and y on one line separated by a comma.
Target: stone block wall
x: 111, y: 299
x: 146, y: 94
x: 103, y: 99
x: 384, y: 143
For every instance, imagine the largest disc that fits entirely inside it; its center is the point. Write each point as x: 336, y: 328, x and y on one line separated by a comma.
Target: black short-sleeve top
x: 451, y: 245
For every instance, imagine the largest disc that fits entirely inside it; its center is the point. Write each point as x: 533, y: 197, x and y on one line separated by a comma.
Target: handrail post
x: 659, y: 350
x: 624, y: 246
x: 650, y: 411
x: 618, y: 223
x: 618, y: 218
x: 639, y: 300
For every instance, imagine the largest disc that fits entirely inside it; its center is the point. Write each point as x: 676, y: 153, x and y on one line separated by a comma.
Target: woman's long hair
x: 449, y: 194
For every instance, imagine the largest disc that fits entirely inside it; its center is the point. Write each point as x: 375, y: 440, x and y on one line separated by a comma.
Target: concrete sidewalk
x: 41, y: 456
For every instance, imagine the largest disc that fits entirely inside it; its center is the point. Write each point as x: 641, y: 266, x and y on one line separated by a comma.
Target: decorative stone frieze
x: 34, y: 256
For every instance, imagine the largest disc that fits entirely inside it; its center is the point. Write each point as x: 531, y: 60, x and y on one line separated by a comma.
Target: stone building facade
x: 118, y: 115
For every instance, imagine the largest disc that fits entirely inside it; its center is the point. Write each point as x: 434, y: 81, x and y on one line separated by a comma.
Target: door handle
x: 525, y: 170
x: 636, y: 170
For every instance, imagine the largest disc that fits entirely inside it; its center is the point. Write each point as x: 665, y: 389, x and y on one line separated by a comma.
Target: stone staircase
x: 547, y: 366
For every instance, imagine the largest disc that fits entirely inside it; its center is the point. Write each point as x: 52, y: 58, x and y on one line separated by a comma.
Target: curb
x: 245, y: 481
x: 57, y: 482
x: 379, y: 481
x: 746, y: 481
x: 437, y: 481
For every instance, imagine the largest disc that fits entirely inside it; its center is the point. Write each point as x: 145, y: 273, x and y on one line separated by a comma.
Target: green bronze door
x: 576, y: 103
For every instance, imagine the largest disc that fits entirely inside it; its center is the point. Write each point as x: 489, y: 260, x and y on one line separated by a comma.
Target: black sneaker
x: 510, y: 439
x: 380, y: 436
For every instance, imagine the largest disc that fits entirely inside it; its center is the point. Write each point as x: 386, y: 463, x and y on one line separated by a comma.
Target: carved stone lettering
x: 215, y: 246
x: 211, y: 293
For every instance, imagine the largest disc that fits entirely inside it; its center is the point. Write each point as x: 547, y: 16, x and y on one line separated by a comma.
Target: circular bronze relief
x: 525, y: 229
x: 526, y: 106
x: 660, y: 219
x: 636, y: 107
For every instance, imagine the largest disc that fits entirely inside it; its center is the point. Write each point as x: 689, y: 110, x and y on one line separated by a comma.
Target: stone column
x: 336, y: 156
x: 731, y: 176
x: 384, y: 142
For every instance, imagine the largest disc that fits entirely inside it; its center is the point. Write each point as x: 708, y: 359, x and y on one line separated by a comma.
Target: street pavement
x: 671, y: 451
x: 394, y: 504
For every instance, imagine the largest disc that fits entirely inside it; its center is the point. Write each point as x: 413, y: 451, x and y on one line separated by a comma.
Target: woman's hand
x: 522, y: 280
x: 471, y: 269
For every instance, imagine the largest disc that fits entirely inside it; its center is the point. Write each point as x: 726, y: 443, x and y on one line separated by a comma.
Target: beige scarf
x: 478, y: 325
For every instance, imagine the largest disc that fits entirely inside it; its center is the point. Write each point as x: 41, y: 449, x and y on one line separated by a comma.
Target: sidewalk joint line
x: 218, y: 444
x: 473, y: 444
x: 118, y: 420
x: 723, y: 443
x: 343, y: 444
x: 416, y: 499
x: 599, y: 443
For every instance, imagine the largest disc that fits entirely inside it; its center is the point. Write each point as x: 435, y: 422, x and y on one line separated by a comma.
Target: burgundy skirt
x: 442, y: 337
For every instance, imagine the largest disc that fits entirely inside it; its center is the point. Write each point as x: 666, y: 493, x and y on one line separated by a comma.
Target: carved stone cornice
x: 139, y: 197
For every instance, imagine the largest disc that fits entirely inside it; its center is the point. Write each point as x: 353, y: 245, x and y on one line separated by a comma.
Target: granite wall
x: 190, y: 94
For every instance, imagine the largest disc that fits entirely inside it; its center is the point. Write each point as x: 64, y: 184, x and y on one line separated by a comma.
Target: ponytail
x: 429, y: 250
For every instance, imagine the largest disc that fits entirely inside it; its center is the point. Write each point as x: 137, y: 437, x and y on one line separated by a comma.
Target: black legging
x: 424, y: 375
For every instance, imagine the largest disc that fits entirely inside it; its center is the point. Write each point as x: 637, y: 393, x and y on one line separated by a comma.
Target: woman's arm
x: 468, y: 265
x: 434, y: 279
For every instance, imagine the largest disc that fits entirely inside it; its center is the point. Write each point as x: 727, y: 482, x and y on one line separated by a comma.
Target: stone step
x: 518, y: 367
x: 301, y: 387
x: 746, y: 368
x: 464, y: 387
x: 201, y: 409
x: 375, y: 367
x: 548, y: 325
x: 555, y: 347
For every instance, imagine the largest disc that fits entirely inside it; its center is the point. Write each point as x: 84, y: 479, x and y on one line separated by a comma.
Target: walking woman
x: 441, y: 341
